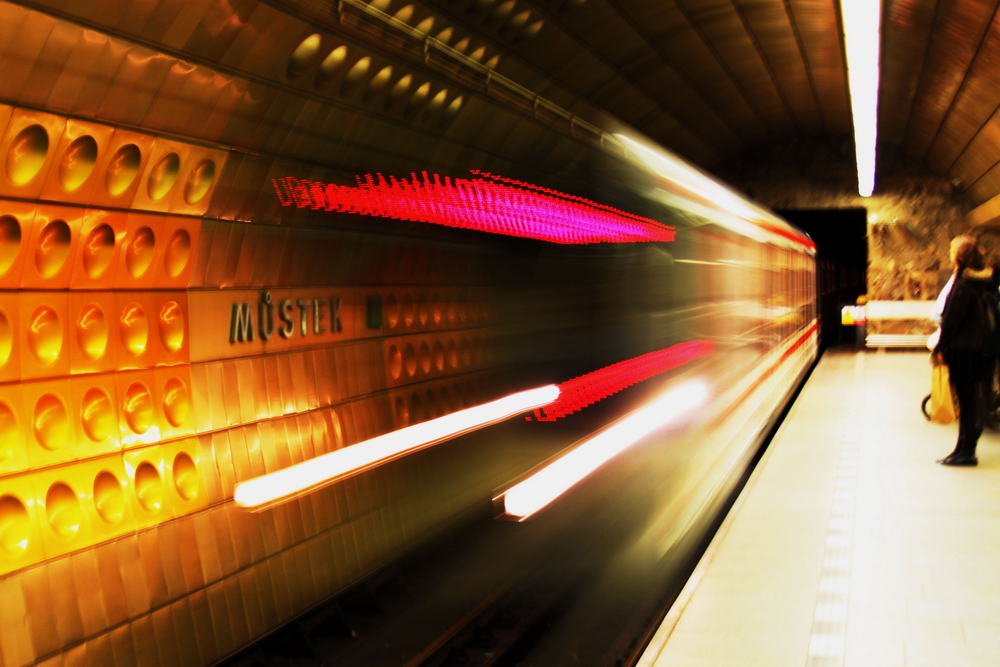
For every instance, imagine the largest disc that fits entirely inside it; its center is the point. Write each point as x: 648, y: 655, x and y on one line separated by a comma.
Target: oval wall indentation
x: 431, y: 403
x: 139, y: 252
x: 404, y: 14
x: 395, y: 362
x: 92, y: 331
x: 109, y: 498
x: 177, y: 253
x: 52, y: 248
x: 419, y: 97
x: 98, y: 250
x: 185, y: 476
x: 426, y: 25
x: 45, y: 335
x: 176, y: 402
x: 26, y: 154
x: 410, y: 360
x: 15, y: 527
x: 138, y: 408
x: 391, y: 307
x: 50, y: 422
x: 409, y: 309
x: 356, y: 74
x: 10, y: 434
x: 62, y: 507
x: 97, y: 415
x: 438, y: 356
x: 464, y: 354
x: 149, y: 487
x: 303, y: 55
x: 171, y: 325
x: 134, y: 329
x: 331, y: 65
x: 425, y: 357
x: 436, y: 311
x: 423, y: 309
x: 416, y: 408
x: 378, y: 82
x: 6, y: 339
x: 78, y: 163
x: 454, y: 107
x: 401, y: 411
x: 10, y: 242
x: 122, y: 169
x: 163, y: 176
x: 436, y: 103
x: 199, y: 182
x: 399, y: 91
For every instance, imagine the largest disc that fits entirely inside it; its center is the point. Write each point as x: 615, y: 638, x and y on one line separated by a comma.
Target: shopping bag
x: 942, y: 403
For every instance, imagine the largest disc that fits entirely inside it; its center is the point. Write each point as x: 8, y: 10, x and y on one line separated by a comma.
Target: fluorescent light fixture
x: 307, y: 476
x: 862, y: 21
x: 529, y: 496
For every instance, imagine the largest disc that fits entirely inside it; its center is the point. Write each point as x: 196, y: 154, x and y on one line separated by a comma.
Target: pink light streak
x: 489, y: 204
x: 578, y: 393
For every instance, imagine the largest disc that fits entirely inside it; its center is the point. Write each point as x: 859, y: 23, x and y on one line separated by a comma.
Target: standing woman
x: 967, y: 319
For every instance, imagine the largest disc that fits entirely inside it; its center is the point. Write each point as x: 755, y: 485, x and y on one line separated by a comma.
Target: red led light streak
x: 489, y: 204
x: 789, y: 234
x: 578, y: 393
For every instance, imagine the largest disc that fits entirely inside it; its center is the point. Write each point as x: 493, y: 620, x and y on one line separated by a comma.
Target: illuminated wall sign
x: 285, y: 318
x: 250, y: 322
x: 489, y: 204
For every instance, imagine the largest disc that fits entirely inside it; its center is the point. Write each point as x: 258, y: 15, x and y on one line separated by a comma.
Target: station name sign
x: 286, y: 318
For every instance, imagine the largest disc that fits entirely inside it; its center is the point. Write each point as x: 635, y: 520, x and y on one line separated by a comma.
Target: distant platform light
x: 488, y: 203
x: 310, y: 475
x: 540, y: 489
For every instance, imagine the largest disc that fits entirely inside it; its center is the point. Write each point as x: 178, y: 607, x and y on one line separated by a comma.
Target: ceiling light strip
x: 862, y: 23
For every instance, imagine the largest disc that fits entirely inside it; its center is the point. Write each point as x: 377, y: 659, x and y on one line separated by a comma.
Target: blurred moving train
x: 188, y: 307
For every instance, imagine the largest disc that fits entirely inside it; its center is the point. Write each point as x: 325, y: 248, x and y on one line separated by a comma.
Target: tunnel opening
x: 841, y: 267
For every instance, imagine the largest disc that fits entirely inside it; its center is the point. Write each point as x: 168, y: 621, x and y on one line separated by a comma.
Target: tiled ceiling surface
x: 710, y: 79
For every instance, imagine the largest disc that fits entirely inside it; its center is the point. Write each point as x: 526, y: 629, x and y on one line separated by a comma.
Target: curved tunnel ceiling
x: 713, y: 78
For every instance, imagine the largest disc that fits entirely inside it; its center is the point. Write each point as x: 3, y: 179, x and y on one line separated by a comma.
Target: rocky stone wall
x: 912, y: 216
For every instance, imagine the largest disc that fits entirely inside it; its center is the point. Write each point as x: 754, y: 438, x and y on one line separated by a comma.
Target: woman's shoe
x: 959, y: 460
x: 951, y: 457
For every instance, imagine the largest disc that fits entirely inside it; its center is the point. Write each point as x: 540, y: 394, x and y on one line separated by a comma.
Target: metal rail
x: 437, y: 54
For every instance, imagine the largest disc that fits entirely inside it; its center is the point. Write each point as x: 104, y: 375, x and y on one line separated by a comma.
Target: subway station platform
x: 849, y: 545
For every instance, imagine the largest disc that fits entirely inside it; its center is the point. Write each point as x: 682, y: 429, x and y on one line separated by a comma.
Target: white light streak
x: 862, y: 19
x: 303, y: 477
x: 527, y: 497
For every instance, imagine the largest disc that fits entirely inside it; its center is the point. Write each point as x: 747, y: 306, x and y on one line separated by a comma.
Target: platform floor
x: 850, y: 545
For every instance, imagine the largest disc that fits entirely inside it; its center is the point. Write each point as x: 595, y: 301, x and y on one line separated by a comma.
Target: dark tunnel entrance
x: 841, y: 264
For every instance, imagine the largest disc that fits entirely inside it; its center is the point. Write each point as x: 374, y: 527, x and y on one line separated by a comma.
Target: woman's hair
x: 967, y: 254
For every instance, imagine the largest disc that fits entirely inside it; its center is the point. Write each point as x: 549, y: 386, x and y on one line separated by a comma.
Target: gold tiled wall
x: 128, y: 414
